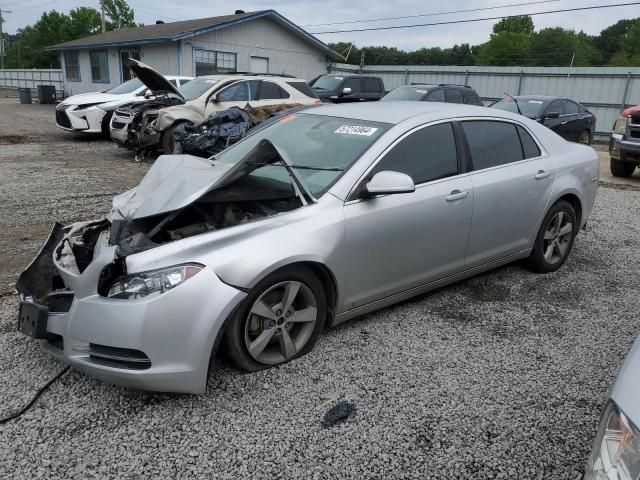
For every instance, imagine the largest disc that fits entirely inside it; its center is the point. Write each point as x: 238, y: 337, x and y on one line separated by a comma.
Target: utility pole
x: 2, y: 39
x: 566, y: 84
x: 104, y: 29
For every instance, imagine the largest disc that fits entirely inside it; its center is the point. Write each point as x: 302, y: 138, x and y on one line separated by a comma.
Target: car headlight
x: 620, y: 125
x: 84, y: 106
x: 154, y: 282
x: 616, y: 452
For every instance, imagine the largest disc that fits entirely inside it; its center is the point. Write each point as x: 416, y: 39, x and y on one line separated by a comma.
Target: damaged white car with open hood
x: 317, y: 218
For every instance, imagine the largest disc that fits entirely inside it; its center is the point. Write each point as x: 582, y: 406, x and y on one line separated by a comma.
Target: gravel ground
x: 500, y: 376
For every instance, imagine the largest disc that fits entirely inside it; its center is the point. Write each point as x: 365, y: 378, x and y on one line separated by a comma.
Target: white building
x: 259, y: 42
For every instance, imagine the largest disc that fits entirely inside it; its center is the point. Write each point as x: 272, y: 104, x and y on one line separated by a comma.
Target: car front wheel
x: 621, y: 169
x: 281, y: 319
x: 555, y: 239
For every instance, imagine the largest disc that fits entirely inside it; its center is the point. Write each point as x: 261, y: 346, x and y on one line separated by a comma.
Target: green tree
x: 518, y: 24
x: 629, y: 53
x: 556, y: 46
x: 611, y: 39
x: 119, y: 14
x: 505, y: 48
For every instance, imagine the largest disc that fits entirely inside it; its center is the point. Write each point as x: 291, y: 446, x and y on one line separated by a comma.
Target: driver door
x: 400, y: 241
x: 237, y: 94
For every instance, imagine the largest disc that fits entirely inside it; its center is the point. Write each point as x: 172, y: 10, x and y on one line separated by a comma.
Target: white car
x: 616, y: 450
x: 151, y: 125
x: 91, y: 112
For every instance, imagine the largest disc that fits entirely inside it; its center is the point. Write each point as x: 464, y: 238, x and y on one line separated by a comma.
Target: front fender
x: 169, y: 116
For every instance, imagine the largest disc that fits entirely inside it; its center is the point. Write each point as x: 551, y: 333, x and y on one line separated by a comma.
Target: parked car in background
x: 448, y: 93
x: 91, y: 112
x: 567, y: 118
x: 624, y: 146
x: 148, y: 126
x: 616, y: 449
x: 348, y: 88
x: 312, y: 220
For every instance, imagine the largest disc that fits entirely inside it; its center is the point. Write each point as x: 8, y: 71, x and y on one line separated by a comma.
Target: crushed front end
x: 161, y: 341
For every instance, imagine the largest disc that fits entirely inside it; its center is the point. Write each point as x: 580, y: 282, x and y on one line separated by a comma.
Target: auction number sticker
x: 356, y: 130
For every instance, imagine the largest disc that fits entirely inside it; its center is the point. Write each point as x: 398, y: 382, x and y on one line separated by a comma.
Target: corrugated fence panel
x: 603, y: 90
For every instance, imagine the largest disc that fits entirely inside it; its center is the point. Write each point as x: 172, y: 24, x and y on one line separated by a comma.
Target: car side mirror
x: 551, y: 115
x: 345, y: 91
x: 388, y: 182
x: 214, y: 98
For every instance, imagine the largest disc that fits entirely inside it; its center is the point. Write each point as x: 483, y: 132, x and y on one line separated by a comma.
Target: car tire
x: 168, y: 145
x: 104, y: 126
x: 585, y: 138
x: 253, y: 341
x: 621, y: 169
x: 552, y: 246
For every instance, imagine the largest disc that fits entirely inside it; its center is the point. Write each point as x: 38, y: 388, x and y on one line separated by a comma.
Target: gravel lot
x: 500, y: 376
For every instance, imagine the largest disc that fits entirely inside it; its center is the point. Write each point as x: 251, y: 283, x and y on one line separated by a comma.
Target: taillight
x: 317, y: 102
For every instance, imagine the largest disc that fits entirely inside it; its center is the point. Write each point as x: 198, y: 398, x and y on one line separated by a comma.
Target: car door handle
x: 564, y: 122
x: 456, y: 195
x: 542, y: 174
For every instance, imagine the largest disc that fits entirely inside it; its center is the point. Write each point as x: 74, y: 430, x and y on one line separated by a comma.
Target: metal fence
x: 11, y: 80
x: 603, y: 90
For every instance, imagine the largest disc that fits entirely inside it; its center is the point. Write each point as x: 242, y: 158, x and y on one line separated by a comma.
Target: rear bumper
x: 174, y: 332
x: 624, y: 149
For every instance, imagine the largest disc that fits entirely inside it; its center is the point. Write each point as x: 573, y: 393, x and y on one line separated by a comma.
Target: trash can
x: 46, y: 93
x: 25, y: 95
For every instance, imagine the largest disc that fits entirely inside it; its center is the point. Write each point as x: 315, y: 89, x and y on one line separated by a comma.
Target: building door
x: 259, y: 65
x: 124, y: 56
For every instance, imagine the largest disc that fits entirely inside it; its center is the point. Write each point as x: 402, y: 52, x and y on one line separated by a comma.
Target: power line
x: 432, y: 14
x: 36, y: 6
x: 595, y: 7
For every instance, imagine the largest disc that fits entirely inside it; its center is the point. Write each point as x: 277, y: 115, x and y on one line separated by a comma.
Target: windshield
x: 196, y: 87
x: 528, y: 107
x: 405, y: 94
x: 319, y: 148
x: 127, y: 87
x: 327, y: 82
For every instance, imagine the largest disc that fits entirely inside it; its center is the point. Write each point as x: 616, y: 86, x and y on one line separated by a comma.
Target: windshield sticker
x: 356, y: 130
x: 211, y: 81
x: 339, y: 78
x: 539, y: 102
x: 421, y: 91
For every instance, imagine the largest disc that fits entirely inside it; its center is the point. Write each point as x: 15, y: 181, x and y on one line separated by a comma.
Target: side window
x: 370, y: 85
x: 529, y: 146
x: 270, y: 91
x: 471, y: 98
x: 239, y: 92
x: 492, y: 143
x: 173, y: 82
x: 452, y: 95
x: 184, y: 81
x: 436, y: 95
x: 353, y: 84
x: 425, y: 155
x: 571, y: 108
x: 555, y: 106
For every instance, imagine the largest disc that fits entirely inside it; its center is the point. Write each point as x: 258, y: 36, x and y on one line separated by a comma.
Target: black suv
x: 348, y: 88
x: 444, y: 92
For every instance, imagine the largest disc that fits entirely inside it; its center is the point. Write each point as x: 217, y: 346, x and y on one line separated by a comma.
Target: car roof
x: 545, y: 98
x: 397, y: 112
x: 348, y: 75
x: 419, y: 85
x: 232, y: 76
x: 177, y: 77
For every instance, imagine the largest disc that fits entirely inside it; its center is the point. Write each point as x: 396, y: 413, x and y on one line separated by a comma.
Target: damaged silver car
x: 321, y: 216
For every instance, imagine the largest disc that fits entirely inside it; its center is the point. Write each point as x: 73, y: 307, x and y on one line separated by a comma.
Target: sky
x: 313, y: 12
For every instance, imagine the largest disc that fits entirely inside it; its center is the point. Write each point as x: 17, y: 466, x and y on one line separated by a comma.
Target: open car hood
x: 152, y: 79
x: 175, y: 181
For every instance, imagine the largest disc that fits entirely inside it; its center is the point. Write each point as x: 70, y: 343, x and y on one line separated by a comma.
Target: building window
x: 72, y: 66
x: 210, y: 62
x: 99, y: 66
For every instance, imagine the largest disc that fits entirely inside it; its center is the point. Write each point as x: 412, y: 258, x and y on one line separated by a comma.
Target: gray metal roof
x: 174, y: 31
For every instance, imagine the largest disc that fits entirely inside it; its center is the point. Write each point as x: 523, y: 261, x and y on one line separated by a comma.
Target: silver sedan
x: 317, y: 218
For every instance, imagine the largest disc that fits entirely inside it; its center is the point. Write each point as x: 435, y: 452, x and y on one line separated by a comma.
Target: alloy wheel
x: 584, y: 138
x: 280, y: 322
x: 557, y: 238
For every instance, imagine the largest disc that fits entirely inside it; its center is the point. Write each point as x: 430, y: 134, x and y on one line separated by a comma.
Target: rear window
x: 471, y: 98
x: 270, y: 91
x: 304, y: 88
x: 453, y: 96
x: 371, y: 85
x: 406, y: 94
x: 492, y: 143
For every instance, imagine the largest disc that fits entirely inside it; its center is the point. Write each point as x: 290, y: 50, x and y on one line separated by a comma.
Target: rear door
x: 396, y: 242
x: 371, y: 88
x: 577, y: 122
x: 270, y: 93
x: 512, y: 183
